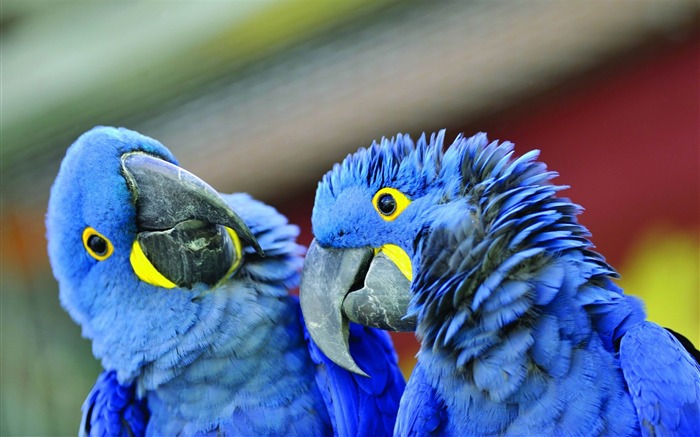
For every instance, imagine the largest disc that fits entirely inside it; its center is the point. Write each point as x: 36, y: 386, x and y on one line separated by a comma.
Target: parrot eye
x: 386, y: 204
x: 96, y: 244
x: 389, y: 203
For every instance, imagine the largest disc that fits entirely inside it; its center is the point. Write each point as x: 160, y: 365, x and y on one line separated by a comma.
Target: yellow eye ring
x: 389, y: 203
x: 96, y: 244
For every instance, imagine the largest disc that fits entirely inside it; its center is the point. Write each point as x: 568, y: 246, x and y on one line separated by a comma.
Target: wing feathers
x: 663, y: 379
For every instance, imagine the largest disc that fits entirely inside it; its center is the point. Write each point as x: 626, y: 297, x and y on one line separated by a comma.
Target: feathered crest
x: 391, y: 161
x: 414, y: 167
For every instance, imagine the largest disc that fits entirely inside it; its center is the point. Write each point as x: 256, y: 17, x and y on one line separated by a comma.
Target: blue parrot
x: 522, y: 330
x: 185, y: 295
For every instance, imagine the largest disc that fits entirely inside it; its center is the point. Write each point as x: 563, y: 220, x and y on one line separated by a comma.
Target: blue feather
x: 455, y: 326
x: 507, y: 293
x: 472, y: 343
x: 486, y: 288
x: 355, y: 400
x: 112, y: 409
x: 661, y: 411
x: 548, y: 282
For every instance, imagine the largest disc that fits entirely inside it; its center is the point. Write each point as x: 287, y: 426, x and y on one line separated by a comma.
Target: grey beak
x: 343, y: 285
x: 181, y: 222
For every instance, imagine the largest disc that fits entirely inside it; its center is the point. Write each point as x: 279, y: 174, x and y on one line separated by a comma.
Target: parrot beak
x: 186, y: 231
x: 343, y: 285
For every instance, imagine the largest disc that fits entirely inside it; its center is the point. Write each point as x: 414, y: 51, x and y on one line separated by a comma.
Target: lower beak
x: 343, y: 285
x: 189, y: 253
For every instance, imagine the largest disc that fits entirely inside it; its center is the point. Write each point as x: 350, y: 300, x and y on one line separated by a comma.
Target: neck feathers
x: 509, y: 288
x: 253, y: 355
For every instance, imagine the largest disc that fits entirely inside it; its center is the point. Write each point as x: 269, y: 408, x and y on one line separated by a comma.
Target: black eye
x: 97, y: 244
x: 386, y: 204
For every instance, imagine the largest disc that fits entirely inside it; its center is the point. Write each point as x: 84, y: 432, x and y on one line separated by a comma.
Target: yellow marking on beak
x: 399, y: 257
x: 145, y: 270
x: 238, y: 256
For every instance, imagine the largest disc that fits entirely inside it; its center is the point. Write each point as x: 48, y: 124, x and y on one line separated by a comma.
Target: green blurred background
x: 264, y: 96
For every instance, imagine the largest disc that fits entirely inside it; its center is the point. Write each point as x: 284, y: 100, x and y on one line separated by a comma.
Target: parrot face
x: 363, y: 222
x: 134, y: 241
x: 368, y: 215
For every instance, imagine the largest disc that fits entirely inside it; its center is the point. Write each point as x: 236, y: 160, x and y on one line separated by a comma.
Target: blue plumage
x: 359, y: 405
x: 231, y: 357
x: 522, y: 330
x: 112, y: 409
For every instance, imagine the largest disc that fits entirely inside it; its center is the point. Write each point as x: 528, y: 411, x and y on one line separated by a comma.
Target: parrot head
x: 134, y: 241
x: 367, y: 216
x: 400, y: 226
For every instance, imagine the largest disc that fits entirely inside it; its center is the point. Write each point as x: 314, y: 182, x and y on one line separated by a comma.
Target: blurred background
x: 265, y: 96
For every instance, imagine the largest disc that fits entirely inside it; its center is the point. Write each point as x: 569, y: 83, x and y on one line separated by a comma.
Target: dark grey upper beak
x: 167, y: 195
x: 343, y: 285
x: 181, y: 221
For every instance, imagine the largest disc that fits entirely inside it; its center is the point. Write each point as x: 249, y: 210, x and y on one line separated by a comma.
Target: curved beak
x: 343, y: 285
x: 185, y: 229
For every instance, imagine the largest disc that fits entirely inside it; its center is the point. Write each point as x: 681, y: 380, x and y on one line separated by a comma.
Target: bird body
x: 522, y: 329
x: 185, y: 295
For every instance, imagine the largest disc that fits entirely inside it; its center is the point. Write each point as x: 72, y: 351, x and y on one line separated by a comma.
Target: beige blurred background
x: 263, y: 96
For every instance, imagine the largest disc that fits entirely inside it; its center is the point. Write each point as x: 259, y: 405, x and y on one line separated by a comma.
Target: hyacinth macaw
x: 522, y: 330
x: 185, y: 295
